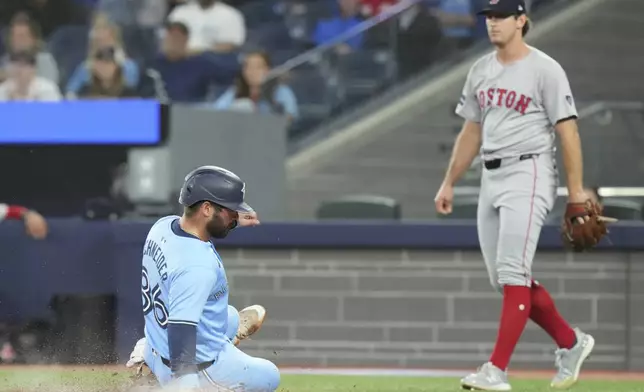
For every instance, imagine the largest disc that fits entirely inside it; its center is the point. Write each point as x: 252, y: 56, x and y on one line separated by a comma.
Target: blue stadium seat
x: 259, y: 12
x: 3, y: 48
x: 270, y: 36
x: 364, y: 73
x: 302, y: 17
x: 373, y: 65
x: 316, y: 97
x: 68, y: 45
x: 141, y: 44
x: 311, y: 88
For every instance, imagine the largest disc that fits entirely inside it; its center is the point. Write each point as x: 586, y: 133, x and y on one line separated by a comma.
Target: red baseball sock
x: 544, y: 313
x: 514, y: 317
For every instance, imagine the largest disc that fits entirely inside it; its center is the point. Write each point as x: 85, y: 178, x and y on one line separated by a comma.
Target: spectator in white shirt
x: 23, y: 83
x: 213, y: 25
x: 24, y: 35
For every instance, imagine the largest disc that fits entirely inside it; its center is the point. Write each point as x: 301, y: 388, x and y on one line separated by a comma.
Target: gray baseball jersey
x: 516, y: 104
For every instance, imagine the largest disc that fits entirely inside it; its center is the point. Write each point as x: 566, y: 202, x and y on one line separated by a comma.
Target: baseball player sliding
x: 513, y: 101
x: 191, y: 332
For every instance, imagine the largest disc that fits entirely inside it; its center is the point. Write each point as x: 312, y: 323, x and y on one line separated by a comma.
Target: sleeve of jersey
x: 468, y: 104
x: 557, y: 95
x: 190, y: 288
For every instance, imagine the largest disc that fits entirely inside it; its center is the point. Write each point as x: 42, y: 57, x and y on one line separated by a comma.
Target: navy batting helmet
x: 217, y: 185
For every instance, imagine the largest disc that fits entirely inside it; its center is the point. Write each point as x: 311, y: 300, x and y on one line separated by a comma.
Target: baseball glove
x: 583, y: 236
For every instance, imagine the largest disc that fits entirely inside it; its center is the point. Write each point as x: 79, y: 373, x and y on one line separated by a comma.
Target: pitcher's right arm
x: 466, y: 148
x: 468, y: 142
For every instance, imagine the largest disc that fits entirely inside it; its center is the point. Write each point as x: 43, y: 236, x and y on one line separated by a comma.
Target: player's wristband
x: 14, y: 212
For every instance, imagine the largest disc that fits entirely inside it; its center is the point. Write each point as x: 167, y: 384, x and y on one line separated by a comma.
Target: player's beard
x: 217, y: 229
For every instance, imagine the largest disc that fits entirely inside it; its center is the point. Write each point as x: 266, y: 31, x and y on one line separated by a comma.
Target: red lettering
x: 523, y: 103
x: 482, y: 99
x: 501, y: 92
x: 490, y: 96
x: 509, y: 101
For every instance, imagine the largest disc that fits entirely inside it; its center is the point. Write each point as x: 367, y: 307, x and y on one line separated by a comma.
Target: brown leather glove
x: 583, y: 225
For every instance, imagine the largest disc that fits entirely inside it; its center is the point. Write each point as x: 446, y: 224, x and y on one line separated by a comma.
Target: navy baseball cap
x: 504, y: 7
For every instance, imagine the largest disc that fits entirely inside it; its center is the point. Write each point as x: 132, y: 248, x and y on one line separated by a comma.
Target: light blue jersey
x: 183, y: 282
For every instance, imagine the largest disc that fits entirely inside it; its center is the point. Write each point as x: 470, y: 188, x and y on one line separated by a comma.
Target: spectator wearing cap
x: 327, y: 30
x: 103, y: 34
x: 188, y: 77
x: 106, y: 80
x: 252, y: 92
x: 23, y: 83
x: 24, y: 35
x: 214, y: 26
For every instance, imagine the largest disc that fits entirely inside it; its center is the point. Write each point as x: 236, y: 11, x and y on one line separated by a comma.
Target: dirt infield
x: 522, y: 374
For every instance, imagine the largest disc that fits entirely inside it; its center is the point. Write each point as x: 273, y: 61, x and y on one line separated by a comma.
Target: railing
x: 345, y: 71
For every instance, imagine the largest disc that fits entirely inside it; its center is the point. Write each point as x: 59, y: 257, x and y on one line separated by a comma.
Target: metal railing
x: 314, y: 54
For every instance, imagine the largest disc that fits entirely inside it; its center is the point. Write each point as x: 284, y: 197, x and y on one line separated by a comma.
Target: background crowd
x: 219, y: 53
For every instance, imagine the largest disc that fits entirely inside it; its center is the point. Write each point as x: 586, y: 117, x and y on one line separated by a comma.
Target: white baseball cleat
x: 250, y: 321
x: 569, y: 361
x: 487, y: 378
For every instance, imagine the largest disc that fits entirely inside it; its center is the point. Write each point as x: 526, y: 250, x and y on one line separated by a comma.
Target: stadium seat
x: 364, y: 73
x: 270, y: 36
x: 141, y: 44
x: 316, y: 98
x: 360, y: 207
x: 464, y: 207
x: 302, y: 17
x: 260, y: 11
x: 622, y: 209
x: 68, y: 45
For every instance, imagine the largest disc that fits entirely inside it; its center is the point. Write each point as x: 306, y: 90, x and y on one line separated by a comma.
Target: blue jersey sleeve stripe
x: 186, y: 322
x: 182, y: 342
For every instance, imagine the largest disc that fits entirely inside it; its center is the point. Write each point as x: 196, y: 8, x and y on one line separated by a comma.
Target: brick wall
x: 411, y: 308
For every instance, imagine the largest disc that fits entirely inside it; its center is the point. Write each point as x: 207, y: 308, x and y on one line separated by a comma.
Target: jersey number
x: 152, y: 301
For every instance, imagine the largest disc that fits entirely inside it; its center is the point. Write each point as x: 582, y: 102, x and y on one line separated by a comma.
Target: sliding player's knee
x: 233, y: 322
x: 269, y: 375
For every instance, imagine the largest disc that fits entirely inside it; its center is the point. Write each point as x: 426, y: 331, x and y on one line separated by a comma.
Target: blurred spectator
x: 104, y: 34
x: 328, y: 29
x: 23, y: 84
x: 459, y: 21
x: 251, y: 93
x: 107, y: 79
x: 213, y: 25
x: 144, y: 13
x: 187, y: 77
x: 419, y: 35
x: 371, y: 8
x: 48, y: 14
x: 24, y: 35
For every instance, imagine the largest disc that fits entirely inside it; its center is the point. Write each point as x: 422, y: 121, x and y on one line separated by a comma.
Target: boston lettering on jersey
x: 153, y: 250
x: 501, y: 97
